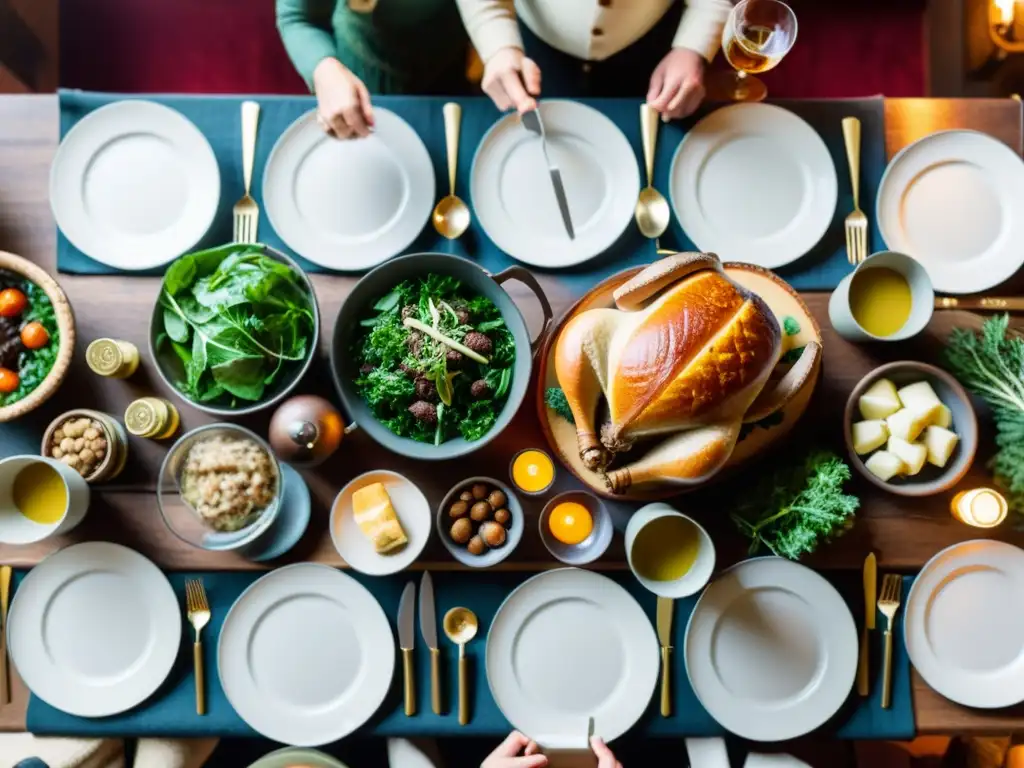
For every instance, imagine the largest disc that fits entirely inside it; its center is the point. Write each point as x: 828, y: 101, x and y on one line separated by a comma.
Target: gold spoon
x: 451, y: 215
x: 652, y: 212
x: 460, y: 625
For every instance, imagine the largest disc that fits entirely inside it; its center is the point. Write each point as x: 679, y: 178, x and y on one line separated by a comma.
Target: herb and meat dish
x: 239, y: 321
x: 29, y: 337
x: 433, y: 361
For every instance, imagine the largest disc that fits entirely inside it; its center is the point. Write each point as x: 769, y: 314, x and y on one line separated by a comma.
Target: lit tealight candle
x: 533, y: 471
x: 981, y: 507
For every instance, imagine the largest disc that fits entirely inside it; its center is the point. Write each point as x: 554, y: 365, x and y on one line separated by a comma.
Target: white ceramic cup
x: 15, y: 528
x: 922, y: 298
x: 694, y: 579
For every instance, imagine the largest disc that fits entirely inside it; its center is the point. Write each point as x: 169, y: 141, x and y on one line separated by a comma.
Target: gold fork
x: 856, y: 222
x: 888, y: 604
x: 247, y: 213
x: 199, y: 617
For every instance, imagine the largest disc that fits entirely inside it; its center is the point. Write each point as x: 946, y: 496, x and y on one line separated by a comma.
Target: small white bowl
x: 592, y: 547
x: 15, y: 528
x: 694, y: 579
x: 413, y: 512
x: 490, y: 557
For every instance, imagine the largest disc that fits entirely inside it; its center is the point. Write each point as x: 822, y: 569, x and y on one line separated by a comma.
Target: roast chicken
x: 679, y: 364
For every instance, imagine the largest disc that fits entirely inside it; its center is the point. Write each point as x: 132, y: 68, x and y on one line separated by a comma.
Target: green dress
x: 401, y: 46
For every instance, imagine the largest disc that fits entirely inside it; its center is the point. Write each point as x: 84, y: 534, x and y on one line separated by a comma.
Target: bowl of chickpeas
x: 480, y: 522
x: 91, y: 443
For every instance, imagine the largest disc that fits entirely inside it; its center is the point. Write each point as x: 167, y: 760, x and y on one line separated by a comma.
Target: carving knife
x: 428, y: 628
x: 665, y: 607
x: 870, y: 597
x: 533, y: 123
x: 407, y: 641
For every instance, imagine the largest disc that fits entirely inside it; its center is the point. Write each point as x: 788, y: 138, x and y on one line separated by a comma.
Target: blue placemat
x: 217, y: 117
x: 171, y: 712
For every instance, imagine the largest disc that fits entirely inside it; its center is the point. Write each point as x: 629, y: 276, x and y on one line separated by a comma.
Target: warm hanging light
x: 1001, y: 17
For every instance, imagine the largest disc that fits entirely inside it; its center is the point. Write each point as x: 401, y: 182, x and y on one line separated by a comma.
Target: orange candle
x: 981, y: 507
x: 533, y: 471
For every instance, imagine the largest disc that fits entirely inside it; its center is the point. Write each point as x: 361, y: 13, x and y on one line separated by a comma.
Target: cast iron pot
x: 383, y: 279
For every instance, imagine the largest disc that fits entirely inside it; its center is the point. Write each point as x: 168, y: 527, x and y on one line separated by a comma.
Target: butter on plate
x: 375, y: 515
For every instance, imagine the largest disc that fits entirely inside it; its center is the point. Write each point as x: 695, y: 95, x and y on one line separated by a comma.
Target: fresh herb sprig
x: 794, y: 507
x: 236, y: 318
x: 991, y: 365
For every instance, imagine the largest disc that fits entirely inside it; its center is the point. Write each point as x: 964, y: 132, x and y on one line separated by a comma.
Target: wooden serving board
x: 754, y: 439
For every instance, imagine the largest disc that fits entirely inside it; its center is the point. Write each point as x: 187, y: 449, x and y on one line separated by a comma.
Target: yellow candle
x: 532, y: 471
x: 980, y: 507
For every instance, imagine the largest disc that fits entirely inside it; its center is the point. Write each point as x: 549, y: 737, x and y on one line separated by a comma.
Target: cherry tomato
x: 9, y: 381
x: 34, y: 335
x: 12, y: 302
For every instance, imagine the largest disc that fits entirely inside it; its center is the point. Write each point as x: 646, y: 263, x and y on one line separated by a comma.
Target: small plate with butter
x: 380, y: 523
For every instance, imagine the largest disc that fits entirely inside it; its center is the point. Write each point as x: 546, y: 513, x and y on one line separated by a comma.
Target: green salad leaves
x: 794, y: 506
x: 237, y: 320
x: 418, y: 360
x: 991, y: 365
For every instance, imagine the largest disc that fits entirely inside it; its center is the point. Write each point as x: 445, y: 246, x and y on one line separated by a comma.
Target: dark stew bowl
x: 253, y: 381
x: 365, y: 302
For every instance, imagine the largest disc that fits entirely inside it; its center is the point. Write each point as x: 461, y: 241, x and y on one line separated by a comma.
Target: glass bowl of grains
x: 219, y: 488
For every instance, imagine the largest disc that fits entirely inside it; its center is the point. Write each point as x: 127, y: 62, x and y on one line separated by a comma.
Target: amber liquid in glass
x: 752, y: 53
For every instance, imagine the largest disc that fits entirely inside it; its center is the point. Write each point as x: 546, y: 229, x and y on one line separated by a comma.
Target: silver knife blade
x: 407, y: 618
x: 428, y: 614
x: 532, y: 122
x: 665, y: 607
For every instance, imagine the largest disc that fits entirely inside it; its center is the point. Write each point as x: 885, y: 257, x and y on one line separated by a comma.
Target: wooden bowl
x: 65, y: 324
x: 754, y: 438
x: 931, y: 479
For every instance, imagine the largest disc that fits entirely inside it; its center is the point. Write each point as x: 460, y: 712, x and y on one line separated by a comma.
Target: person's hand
x: 342, y: 101
x: 605, y: 758
x: 512, y: 80
x: 507, y: 754
x: 677, y: 84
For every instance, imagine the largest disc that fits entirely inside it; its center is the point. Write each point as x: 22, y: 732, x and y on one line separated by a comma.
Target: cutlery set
x: 460, y: 626
x: 887, y: 603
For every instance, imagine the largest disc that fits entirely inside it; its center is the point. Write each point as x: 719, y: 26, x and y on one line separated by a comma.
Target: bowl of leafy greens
x: 235, y: 328
x: 431, y: 356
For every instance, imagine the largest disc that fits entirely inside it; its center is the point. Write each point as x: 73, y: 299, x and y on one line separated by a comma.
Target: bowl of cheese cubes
x: 910, y: 429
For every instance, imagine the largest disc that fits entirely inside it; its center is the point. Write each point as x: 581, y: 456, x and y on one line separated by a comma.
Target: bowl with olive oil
x: 888, y: 297
x: 669, y: 553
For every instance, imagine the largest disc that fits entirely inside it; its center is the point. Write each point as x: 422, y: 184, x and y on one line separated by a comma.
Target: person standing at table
x: 596, y: 48
x: 349, y: 49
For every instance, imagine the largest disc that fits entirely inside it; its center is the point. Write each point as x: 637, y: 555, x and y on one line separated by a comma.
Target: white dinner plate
x: 513, y: 197
x: 754, y: 183
x: 568, y: 645
x: 94, y: 629
x: 412, y: 510
x: 134, y: 185
x: 952, y: 200
x: 306, y: 655
x: 771, y: 649
x: 349, y: 204
x: 963, y: 627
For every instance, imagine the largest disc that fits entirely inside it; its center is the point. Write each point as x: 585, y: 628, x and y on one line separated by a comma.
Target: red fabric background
x: 844, y: 48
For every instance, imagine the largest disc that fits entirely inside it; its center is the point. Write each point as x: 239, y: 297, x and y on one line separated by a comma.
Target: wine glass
x: 756, y: 36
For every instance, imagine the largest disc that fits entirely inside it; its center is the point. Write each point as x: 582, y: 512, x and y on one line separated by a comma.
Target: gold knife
x: 665, y: 607
x: 982, y: 303
x: 870, y: 597
x: 5, y: 595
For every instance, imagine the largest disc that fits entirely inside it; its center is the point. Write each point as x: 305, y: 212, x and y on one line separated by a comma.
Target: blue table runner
x: 218, y: 118
x: 171, y: 711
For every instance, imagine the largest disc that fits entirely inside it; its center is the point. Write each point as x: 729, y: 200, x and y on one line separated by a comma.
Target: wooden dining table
x: 904, y: 533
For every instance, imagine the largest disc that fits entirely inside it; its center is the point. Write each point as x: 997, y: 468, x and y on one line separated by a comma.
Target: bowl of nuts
x: 92, y: 443
x: 480, y: 522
